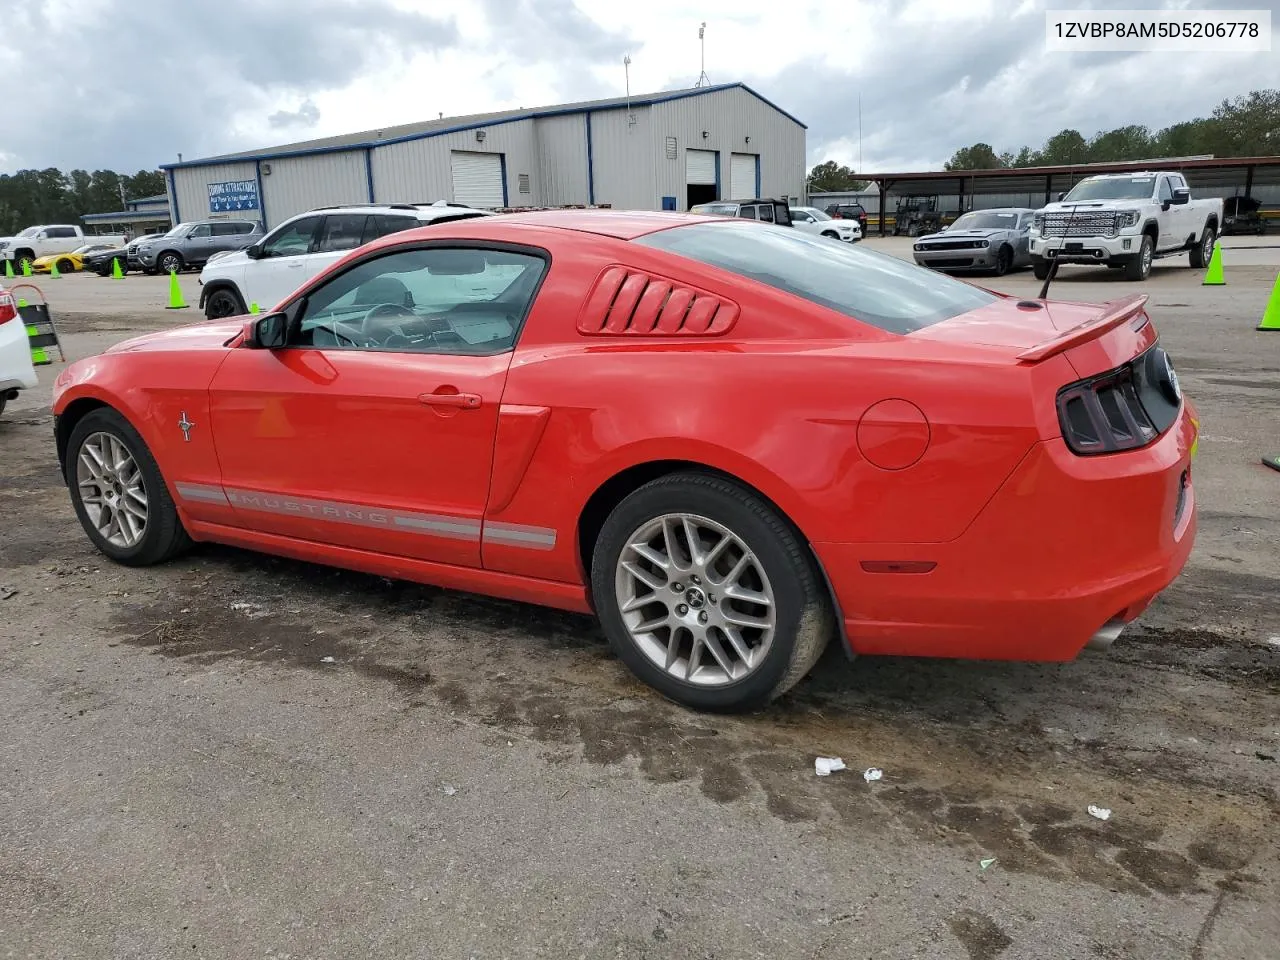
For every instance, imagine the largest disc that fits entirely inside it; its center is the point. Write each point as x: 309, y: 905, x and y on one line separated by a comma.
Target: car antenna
x: 1053, y: 267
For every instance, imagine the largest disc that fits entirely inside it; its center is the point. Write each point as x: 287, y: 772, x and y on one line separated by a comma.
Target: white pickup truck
x: 35, y: 242
x: 1125, y: 220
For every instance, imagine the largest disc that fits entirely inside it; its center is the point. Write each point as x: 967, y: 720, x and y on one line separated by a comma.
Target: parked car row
x: 1124, y: 221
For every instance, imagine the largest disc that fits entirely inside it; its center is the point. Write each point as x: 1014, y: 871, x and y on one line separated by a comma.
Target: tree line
x: 1247, y: 126
x: 31, y: 197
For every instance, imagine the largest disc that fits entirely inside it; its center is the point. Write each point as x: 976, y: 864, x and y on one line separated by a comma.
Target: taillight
x: 8, y: 309
x: 1122, y: 409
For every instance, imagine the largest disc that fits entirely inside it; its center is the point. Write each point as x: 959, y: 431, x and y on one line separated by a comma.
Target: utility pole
x: 703, y: 79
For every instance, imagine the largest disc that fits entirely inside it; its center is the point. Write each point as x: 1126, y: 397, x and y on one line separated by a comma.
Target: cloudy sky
x: 129, y: 84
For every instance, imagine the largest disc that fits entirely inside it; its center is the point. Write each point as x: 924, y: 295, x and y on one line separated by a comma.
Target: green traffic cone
x: 26, y: 268
x: 116, y: 274
x: 1213, y: 276
x: 175, y: 293
x: 8, y: 269
x: 253, y: 307
x: 1271, y: 315
x: 53, y: 271
x: 22, y: 303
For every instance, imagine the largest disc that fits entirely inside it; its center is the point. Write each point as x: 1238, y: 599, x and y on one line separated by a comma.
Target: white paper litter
x: 1274, y: 641
x: 872, y: 773
x: 328, y: 660
x: 1099, y: 813
x: 448, y: 790
x: 987, y: 862
x: 825, y: 766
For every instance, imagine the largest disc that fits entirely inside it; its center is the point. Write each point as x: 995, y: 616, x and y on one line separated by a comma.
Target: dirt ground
x: 183, y: 773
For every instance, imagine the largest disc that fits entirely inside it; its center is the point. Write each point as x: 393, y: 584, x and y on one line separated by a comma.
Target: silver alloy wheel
x: 1148, y: 252
x: 695, y: 599
x: 112, y: 490
x: 1206, y: 247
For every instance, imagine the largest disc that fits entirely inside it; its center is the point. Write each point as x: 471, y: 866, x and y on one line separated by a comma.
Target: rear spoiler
x: 1113, y: 315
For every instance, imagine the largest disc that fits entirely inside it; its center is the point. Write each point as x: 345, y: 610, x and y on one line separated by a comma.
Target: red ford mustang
x: 730, y: 441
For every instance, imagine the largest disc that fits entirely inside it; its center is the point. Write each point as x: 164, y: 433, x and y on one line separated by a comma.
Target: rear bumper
x: 1067, y: 546
x: 16, y: 369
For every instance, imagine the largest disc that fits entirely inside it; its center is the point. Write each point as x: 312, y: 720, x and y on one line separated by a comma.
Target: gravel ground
x: 185, y: 773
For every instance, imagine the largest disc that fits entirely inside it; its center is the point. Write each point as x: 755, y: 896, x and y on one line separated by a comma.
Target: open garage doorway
x: 702, y: 177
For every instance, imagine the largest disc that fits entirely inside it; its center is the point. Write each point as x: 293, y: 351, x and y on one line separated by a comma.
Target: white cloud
x: 934, y: 75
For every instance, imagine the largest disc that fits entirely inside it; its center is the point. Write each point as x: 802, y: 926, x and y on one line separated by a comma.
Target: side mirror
x: 267, y: 333
x: 1181, y: 195
x: 254, y: 251
x: 1062, y: 195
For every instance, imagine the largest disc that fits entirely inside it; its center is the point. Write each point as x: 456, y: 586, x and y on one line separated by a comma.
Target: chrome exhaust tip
x: 1105, y: 637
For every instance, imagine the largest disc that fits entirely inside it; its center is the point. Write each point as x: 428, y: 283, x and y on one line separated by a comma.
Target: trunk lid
x: 1094, y: 338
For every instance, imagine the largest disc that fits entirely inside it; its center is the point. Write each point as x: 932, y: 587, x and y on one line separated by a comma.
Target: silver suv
x: 194, y: 244
x: 267, y: 271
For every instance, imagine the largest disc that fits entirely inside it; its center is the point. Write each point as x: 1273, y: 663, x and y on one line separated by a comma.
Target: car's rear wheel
x: 707, y: 594
x: 1202, y: 252
x: 223, y: 303
x: 66, y: 266
x: 170, y: 262
x: 118, y: 493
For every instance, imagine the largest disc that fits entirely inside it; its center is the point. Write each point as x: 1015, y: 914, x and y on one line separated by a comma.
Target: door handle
x: 464, y: 401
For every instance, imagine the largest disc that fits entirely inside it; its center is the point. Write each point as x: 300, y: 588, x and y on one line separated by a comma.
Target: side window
x: 381, y: 224
x: 342, y: 232
x: 439, y: 300
x: 226, y: 229
x: 292, y: 239
x: 204, y: 230
x: 766, y: 212
x: 1166, y: 193
x: 747, y: 212
x: 60, y: 233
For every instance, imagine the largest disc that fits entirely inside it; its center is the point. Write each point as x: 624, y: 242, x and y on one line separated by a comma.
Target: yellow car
x: 67, y: 262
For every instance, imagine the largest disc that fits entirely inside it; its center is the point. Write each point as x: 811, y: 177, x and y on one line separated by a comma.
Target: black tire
x: 804, y: 619
x: 1203, y: 250
x: 3, y: 401
x: 223, y: 303
x: 66, y: 266
x: 22, y: 259
x: 1139, y: 266
x: 831, y: 233
x: 1040, y: 267
x: 1004, y: 260
x: 169, y: 262
x: 164, y: 536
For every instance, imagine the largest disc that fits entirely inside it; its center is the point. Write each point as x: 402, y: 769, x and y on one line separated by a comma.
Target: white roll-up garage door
x: 700, y: 167
x: 477, y: 178
x: 742, y: 176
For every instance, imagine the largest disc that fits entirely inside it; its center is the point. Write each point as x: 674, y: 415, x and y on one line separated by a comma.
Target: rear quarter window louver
x: 634, y: 303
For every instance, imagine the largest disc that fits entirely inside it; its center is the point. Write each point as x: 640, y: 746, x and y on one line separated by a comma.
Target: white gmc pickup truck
x: 36, y: 242
x: 1125, y: 220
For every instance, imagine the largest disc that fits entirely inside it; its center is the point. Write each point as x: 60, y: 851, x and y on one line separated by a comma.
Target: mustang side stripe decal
x: 201, y: 491
x: 427, y: 524
x: 519, y: 535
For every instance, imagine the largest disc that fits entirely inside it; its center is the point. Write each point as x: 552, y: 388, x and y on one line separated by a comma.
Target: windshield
x: 986, y: 220
x: 816, y: 214
x: 29, y: 232
x: 1112, y: 188
x: 875, y: 288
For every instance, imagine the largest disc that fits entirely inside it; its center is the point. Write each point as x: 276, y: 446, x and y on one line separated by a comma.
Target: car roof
x: 423, y: 211
x: 622, y: 224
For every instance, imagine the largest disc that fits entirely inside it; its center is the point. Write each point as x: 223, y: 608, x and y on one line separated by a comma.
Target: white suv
x: 267, y: 272
x: 813, y: 220
x: 16, y: 370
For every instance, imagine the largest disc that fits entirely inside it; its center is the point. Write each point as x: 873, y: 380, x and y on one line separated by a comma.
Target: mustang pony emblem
x: 185, y: 426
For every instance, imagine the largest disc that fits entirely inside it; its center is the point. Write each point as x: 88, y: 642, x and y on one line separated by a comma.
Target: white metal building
x: 663, y: 151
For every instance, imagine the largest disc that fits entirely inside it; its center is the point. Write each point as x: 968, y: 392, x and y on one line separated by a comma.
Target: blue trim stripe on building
x: 368, y: 172
x: 502, y: 163
x: 262, y: 194
x: 480, y: 125
x: 173, y: 191
x: 719, y: 195
x: 591, y: 171
x: 757, y: 174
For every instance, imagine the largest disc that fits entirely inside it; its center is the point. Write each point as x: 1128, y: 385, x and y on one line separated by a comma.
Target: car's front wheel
x: 118, y: 493
x: 707, y: 594
x: 223, y: 303
x: 1004, y: 260
x: 1040, y: 267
